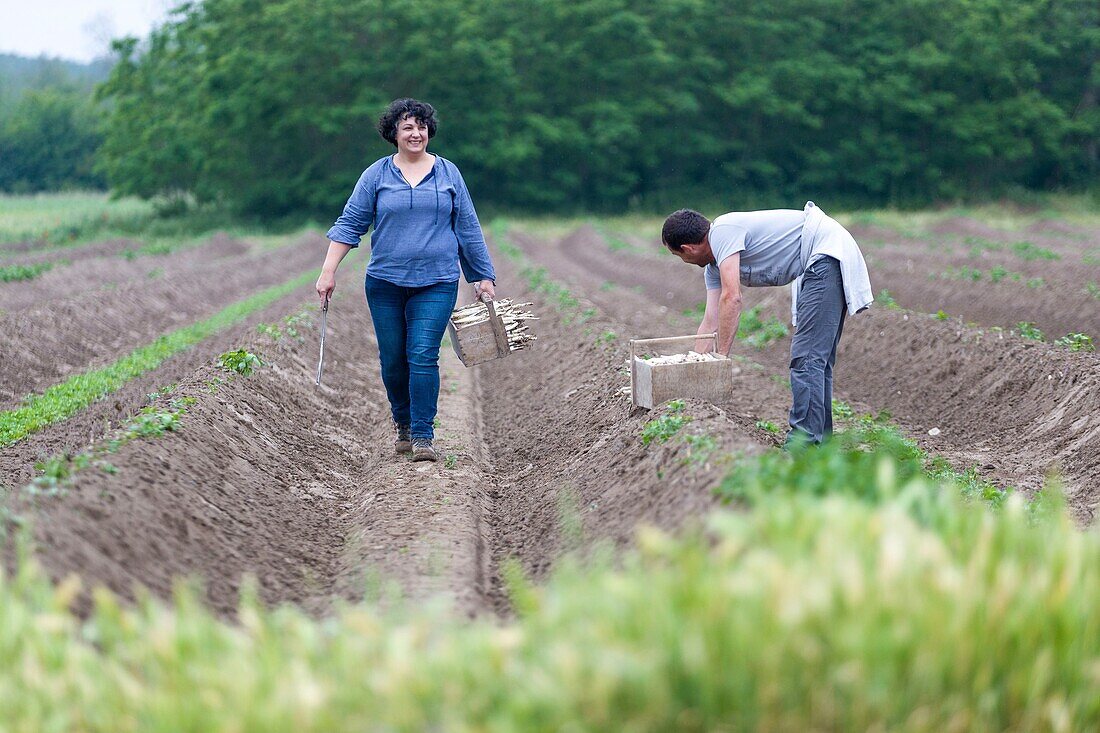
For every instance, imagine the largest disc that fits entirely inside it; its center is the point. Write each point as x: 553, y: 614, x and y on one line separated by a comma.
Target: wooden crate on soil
x: 488, y: 330
x: 656, y: 377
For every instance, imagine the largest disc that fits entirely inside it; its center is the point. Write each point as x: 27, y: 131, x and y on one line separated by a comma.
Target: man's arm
x: 710, y: 322
x: 729, y: 302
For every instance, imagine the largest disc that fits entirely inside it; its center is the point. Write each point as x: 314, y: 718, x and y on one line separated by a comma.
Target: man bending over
x: 758, y: 248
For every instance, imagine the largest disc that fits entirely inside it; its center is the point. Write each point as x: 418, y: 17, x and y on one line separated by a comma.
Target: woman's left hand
x: 484, y: 286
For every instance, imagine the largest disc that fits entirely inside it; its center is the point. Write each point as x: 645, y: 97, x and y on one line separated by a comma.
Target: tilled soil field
x: 273, y: 477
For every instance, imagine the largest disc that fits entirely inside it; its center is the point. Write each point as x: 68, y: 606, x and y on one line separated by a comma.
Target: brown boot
x: 403, y: 442
x: 422, y: 450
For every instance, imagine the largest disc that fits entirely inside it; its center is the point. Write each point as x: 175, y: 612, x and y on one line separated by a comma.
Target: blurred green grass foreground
x: 845, y: 591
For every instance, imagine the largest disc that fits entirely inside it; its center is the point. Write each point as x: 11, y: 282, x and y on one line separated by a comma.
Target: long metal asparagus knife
x: 324, y: 327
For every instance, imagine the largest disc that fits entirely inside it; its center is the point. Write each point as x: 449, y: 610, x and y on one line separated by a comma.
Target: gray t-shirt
x: 770, y: 244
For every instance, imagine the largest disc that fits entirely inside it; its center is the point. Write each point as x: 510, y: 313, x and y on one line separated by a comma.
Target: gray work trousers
x: 820, y: 320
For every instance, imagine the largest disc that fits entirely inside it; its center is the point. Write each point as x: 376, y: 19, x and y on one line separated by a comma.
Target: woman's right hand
x: 326, y: 284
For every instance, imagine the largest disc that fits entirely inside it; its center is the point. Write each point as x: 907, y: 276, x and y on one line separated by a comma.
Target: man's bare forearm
x: 729, y: 316
x: 706, y: 328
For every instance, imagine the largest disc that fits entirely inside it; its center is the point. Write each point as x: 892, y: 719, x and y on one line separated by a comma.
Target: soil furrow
x: 572, y: 471
x: 47, y: 343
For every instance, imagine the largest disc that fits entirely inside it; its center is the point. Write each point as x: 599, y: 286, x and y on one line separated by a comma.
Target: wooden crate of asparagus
x: 657, y: 376
x: 483, y: 331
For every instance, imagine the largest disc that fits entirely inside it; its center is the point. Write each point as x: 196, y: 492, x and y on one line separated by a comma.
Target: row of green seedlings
x: 863, y: 439
x: 996, y: 275
x: 1071, y: 341
x: 1028, y: 330
x: 1028, y: 251
x: 538, y: 279
x: 57, y: 472
x: 849, y: 467
x: 292, y: 327
x: 614, y: 242
x: 757, y: 332
x: 69, y: 235
x: 63, y: 400
x: 700, y: 446
x: 15, y: 273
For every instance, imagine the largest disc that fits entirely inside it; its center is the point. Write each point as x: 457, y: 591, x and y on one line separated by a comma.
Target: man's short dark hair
x: 685, y: 226
x: 398, y: 110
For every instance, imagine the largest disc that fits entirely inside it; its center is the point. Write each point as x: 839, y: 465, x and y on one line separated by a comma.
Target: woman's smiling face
x: 412, y: 136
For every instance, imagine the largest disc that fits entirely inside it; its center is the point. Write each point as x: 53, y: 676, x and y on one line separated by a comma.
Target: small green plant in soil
x: 292, y: 327
x: 1076, y: 342
x: 450, y: 461
x: 767, y: 426
x: 1029, y: 331
x: 1035, y: 283
x: 887, y: 300
x: 1093, y: 289
x: 54, y: 472
x: 698, y: 311
x: 162, y: 392
x: 941, y: 315
x: 758, y: 332
x: 607, y: 337
x: 666, y: 426
x: 14, y: 273
x: 1031, y: 251
x: 240, y: 361
x: 270, y: 330
x: 538, y: 279
x: 700, y: 448
x: 150, y: 423
x: 615, y: 244
x: 842, y: 410
x: 980, y: 245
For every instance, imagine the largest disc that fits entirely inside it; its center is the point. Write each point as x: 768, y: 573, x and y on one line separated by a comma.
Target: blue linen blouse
x: 423, y: 234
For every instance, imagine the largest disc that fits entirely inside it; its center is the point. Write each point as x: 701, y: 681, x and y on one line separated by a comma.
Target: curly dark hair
x: 685, y: 226
x: 398, y: 110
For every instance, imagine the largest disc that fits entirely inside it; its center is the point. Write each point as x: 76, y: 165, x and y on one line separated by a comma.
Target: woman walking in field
x: 425, y: 230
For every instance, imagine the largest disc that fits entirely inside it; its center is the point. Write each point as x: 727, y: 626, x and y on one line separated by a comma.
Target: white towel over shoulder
x: 824, y: 236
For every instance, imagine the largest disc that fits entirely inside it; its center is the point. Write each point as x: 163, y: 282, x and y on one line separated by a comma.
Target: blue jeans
x: 821, y: 311
x: 409, y: 324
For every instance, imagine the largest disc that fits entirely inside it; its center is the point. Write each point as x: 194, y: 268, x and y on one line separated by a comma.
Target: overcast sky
x: 79, y: 30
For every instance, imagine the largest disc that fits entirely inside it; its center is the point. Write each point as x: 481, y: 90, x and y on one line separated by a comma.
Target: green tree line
x: 269, y: 106
x: 49, y: 124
